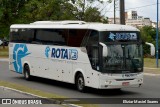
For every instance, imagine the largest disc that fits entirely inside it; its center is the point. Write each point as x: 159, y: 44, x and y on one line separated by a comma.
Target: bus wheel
x: 80, y: 83
x: 27, y: 72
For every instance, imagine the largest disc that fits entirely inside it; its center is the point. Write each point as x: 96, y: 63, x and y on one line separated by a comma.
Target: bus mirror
x: 152, y: 48
x: 104, y: 50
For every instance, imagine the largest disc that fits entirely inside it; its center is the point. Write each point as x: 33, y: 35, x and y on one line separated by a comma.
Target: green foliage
x: 9, y: 13
x: 148, y: 34
x: 92, y: 14
x: 28, y: 11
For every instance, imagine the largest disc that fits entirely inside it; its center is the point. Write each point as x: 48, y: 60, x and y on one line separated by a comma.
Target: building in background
x: 132, y: 15
x: 111, y: 20
x: 147, y: 22
x: 139, y: 22
x: 135, y: 23
x: 132, y: 19
x: 154, y: 24
x: 135, y: 20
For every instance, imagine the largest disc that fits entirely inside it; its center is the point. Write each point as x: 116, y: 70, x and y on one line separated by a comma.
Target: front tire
x: 80, y: 83
x: 26, y: 72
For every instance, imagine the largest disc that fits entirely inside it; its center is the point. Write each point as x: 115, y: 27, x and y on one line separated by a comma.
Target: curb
x: 4, y: 60
x: 25, y: 93
x: 150, y: 74
x: 150, y: 68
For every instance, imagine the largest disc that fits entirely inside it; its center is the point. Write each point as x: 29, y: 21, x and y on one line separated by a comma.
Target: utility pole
x: 114, y: 11
x: 83, y: 9
x: 122, y: 12
x: 84, y: 3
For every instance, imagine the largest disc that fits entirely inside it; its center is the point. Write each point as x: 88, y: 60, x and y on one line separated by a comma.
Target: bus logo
x: 111, y: 36
x: 70, y: 54
x: 20, y: 51
x: 74, y: 54
x: 47, y: 50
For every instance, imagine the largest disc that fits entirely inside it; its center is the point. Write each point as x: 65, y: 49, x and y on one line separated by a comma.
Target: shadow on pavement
x: 68, y: 86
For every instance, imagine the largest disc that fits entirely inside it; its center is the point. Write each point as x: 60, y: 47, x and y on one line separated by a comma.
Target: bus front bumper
x: 120, y: 83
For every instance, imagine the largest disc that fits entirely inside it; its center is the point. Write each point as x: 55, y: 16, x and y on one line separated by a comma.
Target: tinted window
x: 76, y: 36
x: 69, y: 37
x: 92, y: 49
x: 51, y: 36
x: 93, y: 39
x: 22, y: 35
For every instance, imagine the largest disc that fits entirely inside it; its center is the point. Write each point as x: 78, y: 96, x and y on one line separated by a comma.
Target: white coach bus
x: 97, y: 55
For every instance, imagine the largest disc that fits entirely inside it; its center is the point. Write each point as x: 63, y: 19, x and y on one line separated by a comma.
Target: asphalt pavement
x: 8, y: 96
x: 150, y: 88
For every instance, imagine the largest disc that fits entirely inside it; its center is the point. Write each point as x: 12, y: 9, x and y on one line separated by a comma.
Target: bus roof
x: 75, y: 25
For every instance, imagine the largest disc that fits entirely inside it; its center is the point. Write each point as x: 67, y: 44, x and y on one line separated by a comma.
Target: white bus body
x: 64, y: 63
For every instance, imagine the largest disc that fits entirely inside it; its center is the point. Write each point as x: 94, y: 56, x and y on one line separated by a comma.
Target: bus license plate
x: 125, y: 83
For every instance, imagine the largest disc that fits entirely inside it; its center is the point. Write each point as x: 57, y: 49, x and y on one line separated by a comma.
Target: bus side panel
x: 11, y: 60
x: 67, y: 72
x: 83, y: 65
x: 93, y: 76
x: 41, y: 65
x: 17, y: 53
x: 46, y: 66
x: 34, y: 56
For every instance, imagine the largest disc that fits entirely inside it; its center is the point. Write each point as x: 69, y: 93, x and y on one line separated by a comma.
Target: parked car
x: 1, y: 42
x: 159, y: 53
x: 5, y: 42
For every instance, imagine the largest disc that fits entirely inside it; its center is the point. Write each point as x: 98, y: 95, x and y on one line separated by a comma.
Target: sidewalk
x: 4, y: 59
x: 152, y: 70
x: 6, y: 93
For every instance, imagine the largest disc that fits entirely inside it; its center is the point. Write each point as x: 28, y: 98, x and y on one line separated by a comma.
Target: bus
x: 96, y: 55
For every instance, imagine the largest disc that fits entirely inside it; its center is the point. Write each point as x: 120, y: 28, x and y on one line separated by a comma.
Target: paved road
x: 150, y: 88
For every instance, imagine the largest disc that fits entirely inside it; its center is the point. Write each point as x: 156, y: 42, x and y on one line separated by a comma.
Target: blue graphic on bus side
x: 73, y: 54
x: 47, y: 50
x: 111, y: 36
x: 19, y: 52
x: 70, y: 54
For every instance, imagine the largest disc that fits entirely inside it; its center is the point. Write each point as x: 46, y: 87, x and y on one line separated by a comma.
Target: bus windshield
x: 124, y: 52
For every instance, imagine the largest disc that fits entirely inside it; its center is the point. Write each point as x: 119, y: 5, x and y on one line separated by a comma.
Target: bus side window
x: 14, y: 35
x: 22, y: 35
x: 76, y: 37
x: 92, y: 49
x: 27, y: 35
x: 50, y: 37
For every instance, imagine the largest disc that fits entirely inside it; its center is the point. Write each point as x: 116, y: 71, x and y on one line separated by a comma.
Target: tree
x: 60, y: 10
x: 9, y: 13
x: 92, y: 15
x: 148, y: 34
x: 85, y: 6
x: 28, y: 11
x: 49, y: 10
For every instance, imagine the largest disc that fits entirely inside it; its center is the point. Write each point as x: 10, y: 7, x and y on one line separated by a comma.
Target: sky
x: 145, y: 8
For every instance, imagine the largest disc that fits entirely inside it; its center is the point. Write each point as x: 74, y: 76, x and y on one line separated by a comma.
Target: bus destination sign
x: 122, y: 36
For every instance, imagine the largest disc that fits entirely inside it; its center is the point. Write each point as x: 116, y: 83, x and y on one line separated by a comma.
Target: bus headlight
x: 139, y: 69
x: 140, y: 80
x: 108, y: 82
